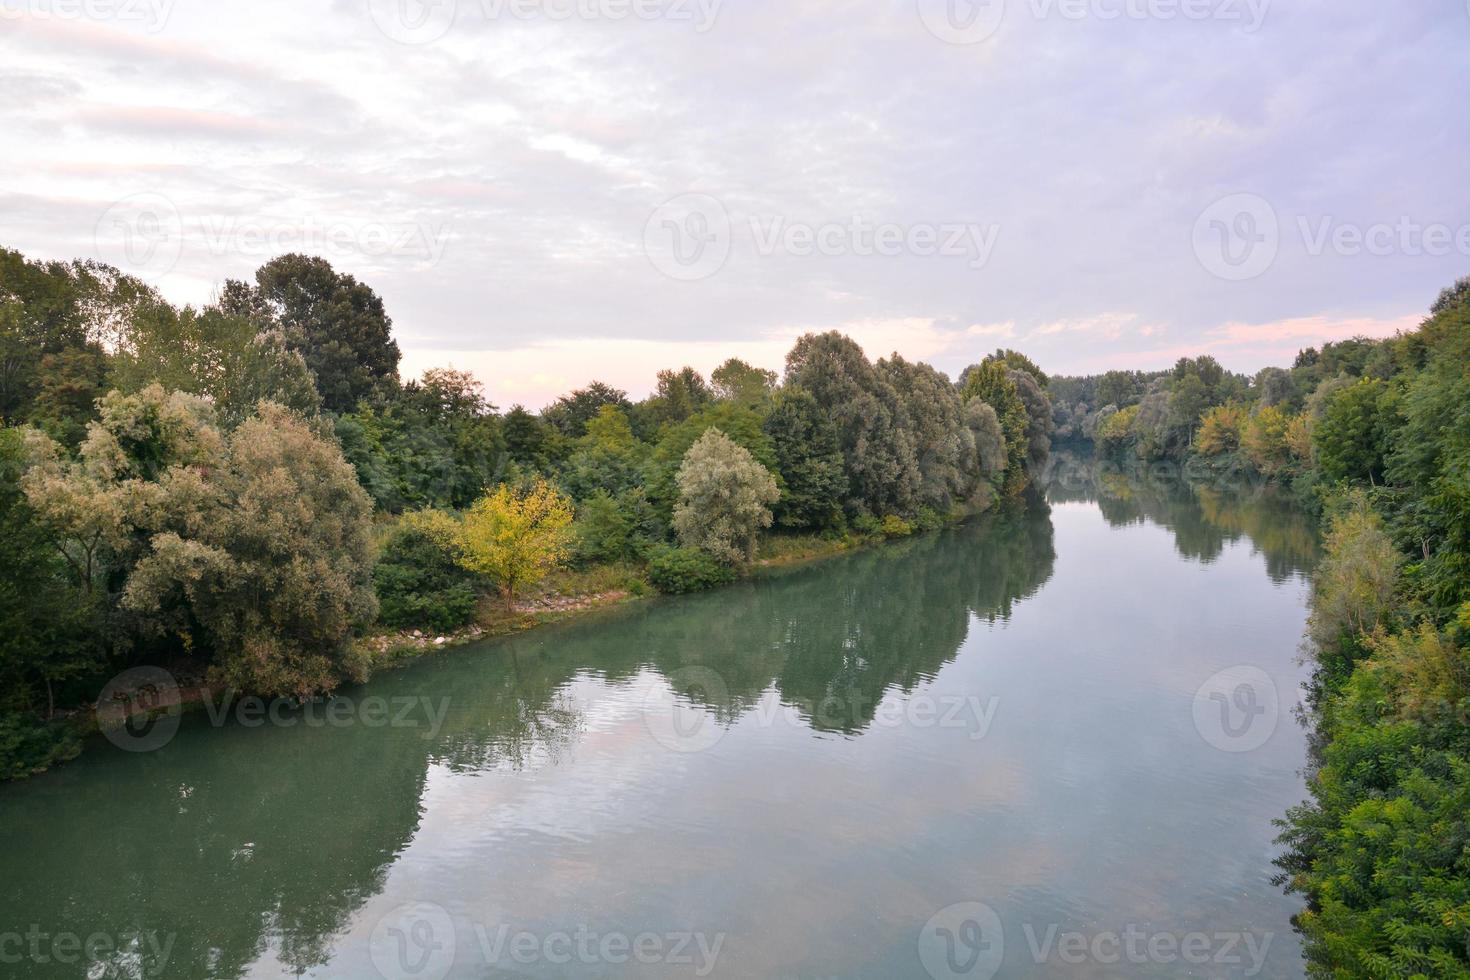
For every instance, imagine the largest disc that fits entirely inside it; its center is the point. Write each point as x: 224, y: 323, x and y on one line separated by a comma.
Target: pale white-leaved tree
x: 725, y: 498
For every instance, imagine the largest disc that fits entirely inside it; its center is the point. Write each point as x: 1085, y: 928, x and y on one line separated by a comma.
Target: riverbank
x: 565, y: 595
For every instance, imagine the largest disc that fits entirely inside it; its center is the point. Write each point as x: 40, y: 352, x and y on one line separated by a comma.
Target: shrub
x: 896, y: 527
x: 678, y: 570
x: 419, y: 584
x: 28, y: 746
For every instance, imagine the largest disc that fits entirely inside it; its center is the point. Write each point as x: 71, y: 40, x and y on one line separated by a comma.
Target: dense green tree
x: 571, y: 413
x: 530, y: 442
x: 606, y: 458
x: 943, y: 444
x: 808, y: 460
x: 418, y: 583
x: 992, y: 383
x: 1017, y: 361
x: 736, y: 380
x: 877, y: 448
x: 337, y: 324
x: 433, y: 443
x: 1351, y: 437
x: 677, y: 396
x: 990, y: 441
x: 221, y: 356
x: 48, y: 628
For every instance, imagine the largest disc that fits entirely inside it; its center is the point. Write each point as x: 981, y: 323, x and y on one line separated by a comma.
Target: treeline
x: 1375, y: 436
x: 250, y: 486
x: 1306, y: 427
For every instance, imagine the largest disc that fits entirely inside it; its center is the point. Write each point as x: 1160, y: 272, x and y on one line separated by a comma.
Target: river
x: 1049, y: 743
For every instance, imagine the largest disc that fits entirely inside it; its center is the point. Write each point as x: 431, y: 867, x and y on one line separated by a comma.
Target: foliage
x: 878, y: 454
x: 225, y: 358
x: 743, y: 422
x: 432, y: 443
x: 943, y: 444
x: 808, y: 460
x: 47, y: 627
x: 1264, y: 440
x: 1219, y: 430
x: 676, y: 571
x: 268, y: 551
x: 336, y: 323
x: 614, y: 529
x: 417, y: 579
x: 1353, y: 588
x: 515, y: 538
x: 992, y: 383
x: 571, y: 413
x: 725, y: 497
x: 738, y: 381
x: 1350, y: 439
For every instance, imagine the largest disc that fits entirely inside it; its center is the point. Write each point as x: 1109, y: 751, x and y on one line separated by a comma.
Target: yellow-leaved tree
x: 516, y: 537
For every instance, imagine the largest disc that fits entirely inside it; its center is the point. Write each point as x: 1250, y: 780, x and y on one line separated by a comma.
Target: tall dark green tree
x: 808, y: 460
x: 872, y: 425
x: 337, y: 323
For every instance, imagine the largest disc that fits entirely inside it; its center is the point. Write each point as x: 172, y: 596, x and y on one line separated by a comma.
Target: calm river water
x: 1049, y: 744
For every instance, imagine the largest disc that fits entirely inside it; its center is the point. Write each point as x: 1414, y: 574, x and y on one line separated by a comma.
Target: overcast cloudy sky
x: 548, y: 191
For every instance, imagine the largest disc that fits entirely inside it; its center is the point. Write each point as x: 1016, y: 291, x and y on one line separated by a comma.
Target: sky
x: 548, y: 192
